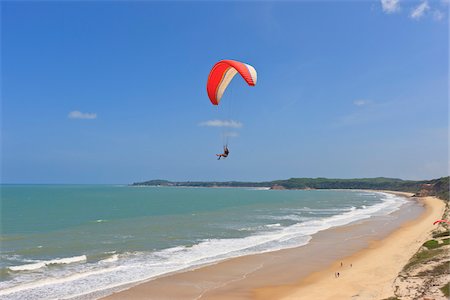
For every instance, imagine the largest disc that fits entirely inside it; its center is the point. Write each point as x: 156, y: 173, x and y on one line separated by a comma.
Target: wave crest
x: 41, y: 264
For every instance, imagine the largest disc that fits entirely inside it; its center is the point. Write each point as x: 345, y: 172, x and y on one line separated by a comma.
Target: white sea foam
x: 250, y: 228
x: 368, y: 194
x: 259, y: 227
x: 41, y: 264
x: 317, y: 210
x: 138, y: 266
x: 273, y: 225
x: 290, y: 217
x: 51, y: 281
x: 113, y: 258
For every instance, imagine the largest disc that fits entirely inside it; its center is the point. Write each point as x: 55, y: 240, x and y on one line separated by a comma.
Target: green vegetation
x: 432, y: 244
x: 446, y: 289
x: 391, y: 298
x: 441, y: 187
x: 160, y: 182
x: 422, y: 257
x: 441, y: 234
x: 379, y: 183
x: 436, y: 187
x: 438, y: 270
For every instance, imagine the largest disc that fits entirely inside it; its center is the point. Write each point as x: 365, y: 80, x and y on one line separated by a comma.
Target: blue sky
x: 114, y: 92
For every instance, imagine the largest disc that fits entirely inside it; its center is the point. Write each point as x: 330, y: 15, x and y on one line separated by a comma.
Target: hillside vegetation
x: 436, y: 187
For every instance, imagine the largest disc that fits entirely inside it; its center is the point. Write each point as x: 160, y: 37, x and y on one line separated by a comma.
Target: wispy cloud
x: 367, y: 112
x: 361, y: 102
x: 231, y: 134
x: 80, y: 115
x: 390, y: 6
x: 420, y: 10
x: 438, y: 15
x: 221, y: 123
x: 417, y: 11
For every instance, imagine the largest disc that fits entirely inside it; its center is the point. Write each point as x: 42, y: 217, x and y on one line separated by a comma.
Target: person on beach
x: 341, y: 263
x: 224, y: 154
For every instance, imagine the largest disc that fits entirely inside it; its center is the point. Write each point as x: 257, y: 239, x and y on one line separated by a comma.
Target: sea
x: 85, y: 241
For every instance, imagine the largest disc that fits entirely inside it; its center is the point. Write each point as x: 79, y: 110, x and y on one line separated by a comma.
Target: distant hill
x: 436, y: 187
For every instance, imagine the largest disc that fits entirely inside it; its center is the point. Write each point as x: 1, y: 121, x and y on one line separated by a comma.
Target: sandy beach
x: 373, y: 270
x: 376, y: 249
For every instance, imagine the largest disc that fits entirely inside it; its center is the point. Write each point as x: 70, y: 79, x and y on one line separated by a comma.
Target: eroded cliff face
x: 436, y: 187
x: 426, y: 190
x: 277, y: 187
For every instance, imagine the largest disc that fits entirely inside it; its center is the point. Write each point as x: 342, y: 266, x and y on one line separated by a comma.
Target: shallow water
x: 59, y: 241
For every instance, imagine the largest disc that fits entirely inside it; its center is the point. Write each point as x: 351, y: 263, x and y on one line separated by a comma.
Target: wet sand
x: 307, y: 272
x: 373, y: 270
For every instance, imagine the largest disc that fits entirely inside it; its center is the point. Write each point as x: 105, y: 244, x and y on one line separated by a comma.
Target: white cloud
x: 390, y: 6
x: 361, y: 102
x: 80, y: 115
x: 438, y: 15
x: 221, y: 123
x: 420, y: 10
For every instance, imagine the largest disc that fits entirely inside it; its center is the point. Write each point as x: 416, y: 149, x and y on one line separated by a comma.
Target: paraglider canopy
x: 221, y: 75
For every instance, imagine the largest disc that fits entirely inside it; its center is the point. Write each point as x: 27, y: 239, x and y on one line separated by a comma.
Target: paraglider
x: 220, y: 76
x: 441, y: 221
x: 224, y: 154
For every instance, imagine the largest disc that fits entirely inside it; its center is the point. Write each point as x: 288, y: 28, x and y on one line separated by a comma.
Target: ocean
x: 79, y: 241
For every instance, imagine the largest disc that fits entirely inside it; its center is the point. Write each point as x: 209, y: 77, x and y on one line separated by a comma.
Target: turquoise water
x: 59, y: 241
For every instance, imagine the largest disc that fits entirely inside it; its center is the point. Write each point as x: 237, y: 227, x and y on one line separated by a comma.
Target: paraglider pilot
x: 224, y: 154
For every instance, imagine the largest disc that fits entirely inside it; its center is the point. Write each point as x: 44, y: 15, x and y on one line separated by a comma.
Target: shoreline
x: 270, y: 275
x: 373, y: 270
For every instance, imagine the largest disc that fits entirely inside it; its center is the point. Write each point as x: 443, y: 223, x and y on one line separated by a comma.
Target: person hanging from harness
x: 225, y: 152
x: 219, y: 78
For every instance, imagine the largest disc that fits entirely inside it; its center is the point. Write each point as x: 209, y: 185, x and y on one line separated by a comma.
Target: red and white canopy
x: 221, y: 75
